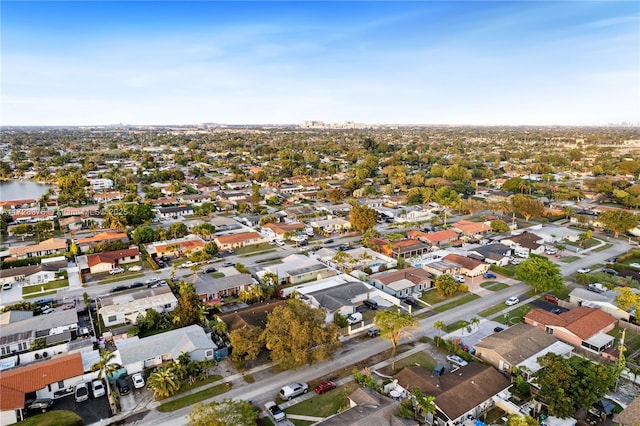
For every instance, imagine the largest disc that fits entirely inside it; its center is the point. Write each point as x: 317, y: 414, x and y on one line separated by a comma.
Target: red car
x: 325, y: 387
x: 551, y: 298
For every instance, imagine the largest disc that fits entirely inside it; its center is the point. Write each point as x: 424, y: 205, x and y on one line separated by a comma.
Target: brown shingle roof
x: 103, y: 236
x: 237, y: 238
x: 256, y: 315
x: 517, y: 343
x: 582, y: 321
x: 413, y: 274
x: 50, y: 244
x: 14, y: 384
x: 111, y: 256
x: 465, y: 262
x: 630, y: 416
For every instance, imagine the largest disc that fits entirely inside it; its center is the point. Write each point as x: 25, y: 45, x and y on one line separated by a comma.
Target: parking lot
x: 91, y: 411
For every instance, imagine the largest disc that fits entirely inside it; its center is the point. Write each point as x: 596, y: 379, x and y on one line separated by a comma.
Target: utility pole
x: 621, y: 364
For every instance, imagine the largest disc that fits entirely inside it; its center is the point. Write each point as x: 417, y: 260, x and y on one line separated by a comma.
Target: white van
x: 354, y: 317
x: 520, y: 252
x: 7, y: 286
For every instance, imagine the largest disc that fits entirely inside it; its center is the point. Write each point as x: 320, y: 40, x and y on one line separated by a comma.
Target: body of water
x: 21, y: 190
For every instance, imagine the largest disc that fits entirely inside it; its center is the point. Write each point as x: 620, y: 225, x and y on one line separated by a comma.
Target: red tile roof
x: 103, y: 236
x: 467, y: 227
x: 237, y: 238
x: 464, y: 261
x: 582, y: 321
x: 111, y: 256
x: 14, y: 384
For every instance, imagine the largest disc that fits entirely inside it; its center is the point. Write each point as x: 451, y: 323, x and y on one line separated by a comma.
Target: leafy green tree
x: 143, y: 234
x: 518, y: 420
x: 446, y: 285
x: 395, y: 324
x: 499, y: 226
x: 540, y: 273
x: 246, y: 343
x: 439, y: 325
x: 178, y: 230
x: 164, y: 382
x: 297, y: 334
x: 210, y: 248
x: 188, y: 310
x: 592, y: 382
x: 627, y: 298
x: 224, y: 413
x: 552, y: 379
x: 362, y: 218
x: 618, y: 220
x: 527, y: 206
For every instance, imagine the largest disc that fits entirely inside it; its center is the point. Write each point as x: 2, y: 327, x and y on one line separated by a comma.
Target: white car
x: 512, y: 301
x: 138, y: 380
x: 136, y: 268
x: 459, y: 278
x: 635, y: 265
x: 116, y: 271
x: 280, y: 243
x: 187, y: 264
x: 97, y: 388
x: 273, y: 409
x: 455, y: 359
x: 586, y: 270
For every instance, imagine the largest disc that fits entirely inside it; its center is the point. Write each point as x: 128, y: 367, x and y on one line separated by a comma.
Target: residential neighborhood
x: 406, y: 275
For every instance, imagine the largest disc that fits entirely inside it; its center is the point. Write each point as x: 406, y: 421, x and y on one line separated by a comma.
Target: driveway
x: 91, y: 411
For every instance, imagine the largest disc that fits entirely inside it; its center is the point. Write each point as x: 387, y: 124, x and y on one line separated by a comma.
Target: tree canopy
x: 224, y: 413
x: 527, y: 206
x: 446, y: 285
x: 540, y: 273
x: 297, y: 334
x: 362, y: 218
x: 618, y: 221
x: 395, y: 324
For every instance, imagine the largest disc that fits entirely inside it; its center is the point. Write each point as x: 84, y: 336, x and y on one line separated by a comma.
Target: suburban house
x: 253, y: 316
x: 19, y: 332
x: 212, y: 290
x: 174, y: 212
x: 495, y: 254
x: 467, y: 394
x: 581, y: 327
x: 401, y: 248
x: 137, y: 354
x: 33, y: 274
x: 368, y: 407
x: 358, y: 258
x: 403, y: 282
x: 297, y: 269
x: 44, y: 248
x: 471, y: 230
x: 527, y: 241
x: 282, y: 230
x: 340, y: 294
x: 468, y: 266
x: 331, y: 225
x: 17, y: 204
x: 518, y: 346
x: 176, y: 247
x: 242, y: 239
x: 44, y: 378
x: 439, y: 267
x: 435, y: 239
x: 195, y: 199
x: 84, y: 244
x: 127, y: 308
x: 105, y: 197
x: 604, y: 301
x: 71, y: 223
x: 85, y: 212
x: 106, y: 261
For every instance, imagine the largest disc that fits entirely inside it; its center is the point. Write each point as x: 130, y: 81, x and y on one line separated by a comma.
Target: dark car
x: 119, y: 288
x: 137, y: 284
x: 411, y: 301
x: 123, y: 386
x: 464, y: 346
x: 161, y: 264
x: 498, y: 329
x: 609, y: 271
x: 42, y: 404
x: 371, y: 304
x: 551, y: 298
x: 325, y: 387
x: 373, y: 332
x: 329, y: 241
x: 612, y: 259
x: 490, y: 275
x: 343, y: 247
x: 210, y: 270
x: 556, y: 311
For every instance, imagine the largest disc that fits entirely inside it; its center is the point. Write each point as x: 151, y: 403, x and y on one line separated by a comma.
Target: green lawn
x: 121, y: 277
x: 454, y: 326
x: 604, y: 247
x: 253, y: 249
x: 515, y: 316
x: 194, y: 398
x: 569, y: 259
x: 432, y: 297
x: 53, y: 418
x: 496, y: 286
x: 464, y: 299
x: 488, y: 284
x: 47, y: 286
x: 492, y: 310
x: 419, y: 358
x: 34, y: 295
x: 631, y: 341
x: 326, y: 404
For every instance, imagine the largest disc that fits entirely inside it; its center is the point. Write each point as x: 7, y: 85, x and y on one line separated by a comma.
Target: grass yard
x: 121, y: 277
x: 458, y: 302
x: 604, y: 247
x: 38, y: 295
x: 53, y: 418
x: 496, y: 286
x: 515, y: 316
x: 253, y: 249
x: 492, y: 310
x: 194, y: 398
x: 47, y: 286
x: 217, y: 275
x: 298, y: 422
x: 326, y: 404
x: 569, y: 259
x: 454, y: 326
x: 631, y: 341
x: 432, y: 297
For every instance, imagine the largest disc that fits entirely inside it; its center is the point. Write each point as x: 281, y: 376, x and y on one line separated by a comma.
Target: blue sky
x: 483, y: 63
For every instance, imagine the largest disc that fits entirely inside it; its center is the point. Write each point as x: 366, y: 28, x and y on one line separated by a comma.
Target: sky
x: 388, y: 62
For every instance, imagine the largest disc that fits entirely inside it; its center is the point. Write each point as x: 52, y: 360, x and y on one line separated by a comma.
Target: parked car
x: 551, y: 298
x: 187, y: 264
x: 609, y: 271
x: 7, y: 286
x: 512, y: 301
x: 373, y: 332
x: 635, y: 265
x: 498, y: 329
x: 324, y: 387
x: 556, y: 311
x: 81, y: 392
x: 294, y: 389
x: 275, y: 411
x: 138, y: 380
x: 48, y: 311
x: 97, y: 388
x: 41, y: 404
x: 371, y: 304
x: 135, y: 268
x: 210, y: 270
x: 123, y: 386
x: 489, y: 275
x: 410, y: 301
x: 116, y: 271
x: 464, y: 346
x: 343, y: 247
x: 612, y: 259
x: 354, y: 317
x: 136, y: 284
x: 551, y: 250
x: 455, y: 359
x: 583, y: 270
x: 596, y: 288
x: 228, y: 264
x: 280, y: 243
x: 119, y: 288
x: 459, y: 278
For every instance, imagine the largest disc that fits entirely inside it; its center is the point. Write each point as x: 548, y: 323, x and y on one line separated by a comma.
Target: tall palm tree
x: 105, y: 367
x: 439, y: 325
x: 475, y: 322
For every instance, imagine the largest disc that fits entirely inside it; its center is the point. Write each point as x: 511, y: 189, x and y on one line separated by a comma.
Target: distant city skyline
x: 419, y: 62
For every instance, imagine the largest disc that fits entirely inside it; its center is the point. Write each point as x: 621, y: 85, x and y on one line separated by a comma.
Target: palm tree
x: 475, y: 322
x: 163, y: 382
x: 105, y: 367
x: 439, y: 325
